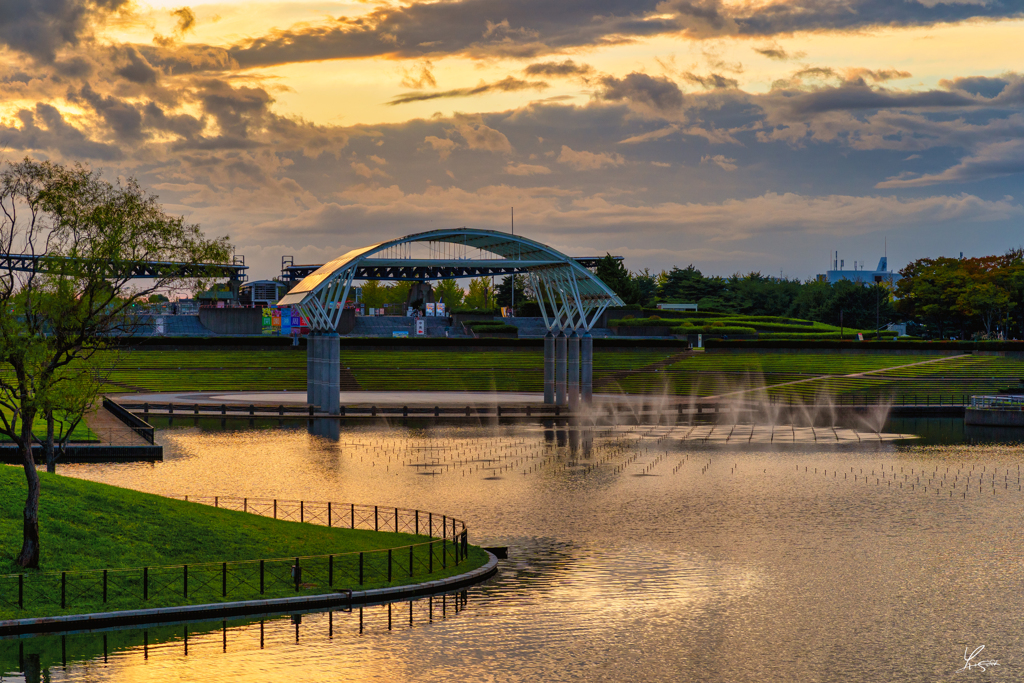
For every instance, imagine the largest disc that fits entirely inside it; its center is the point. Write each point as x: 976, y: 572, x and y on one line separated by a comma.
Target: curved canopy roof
x: 319, y: 292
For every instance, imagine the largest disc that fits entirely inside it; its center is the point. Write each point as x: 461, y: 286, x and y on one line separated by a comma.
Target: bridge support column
x: 331, y: 378
x: 572, y: 369
x: 560, y: 358
x: 549, y: 368
x: 587, y: 368
x: 312, y: 380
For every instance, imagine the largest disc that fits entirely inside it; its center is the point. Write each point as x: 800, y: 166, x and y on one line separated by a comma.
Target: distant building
x: 677, y: 307
x: 861, y: 275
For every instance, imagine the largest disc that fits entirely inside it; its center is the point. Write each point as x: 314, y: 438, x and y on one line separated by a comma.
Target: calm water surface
x: 632, y: 557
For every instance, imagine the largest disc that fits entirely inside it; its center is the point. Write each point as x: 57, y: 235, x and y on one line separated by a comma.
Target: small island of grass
x: 192, y: 553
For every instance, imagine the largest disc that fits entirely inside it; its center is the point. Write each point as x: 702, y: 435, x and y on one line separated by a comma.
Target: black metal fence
x: 263, y: 578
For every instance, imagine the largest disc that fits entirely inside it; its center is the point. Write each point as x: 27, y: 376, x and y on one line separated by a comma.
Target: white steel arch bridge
x: 571, y: 300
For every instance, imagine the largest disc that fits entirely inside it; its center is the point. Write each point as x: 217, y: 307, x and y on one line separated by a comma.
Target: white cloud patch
x: 722, y: 161
x: 527, y: 169
x: 588, y: 161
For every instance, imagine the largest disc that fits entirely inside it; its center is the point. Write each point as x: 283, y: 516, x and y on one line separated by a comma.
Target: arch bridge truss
x: 571, y: 300
x: 570, y: 296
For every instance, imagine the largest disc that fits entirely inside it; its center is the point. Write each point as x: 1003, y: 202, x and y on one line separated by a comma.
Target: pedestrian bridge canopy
x: 570, y: 296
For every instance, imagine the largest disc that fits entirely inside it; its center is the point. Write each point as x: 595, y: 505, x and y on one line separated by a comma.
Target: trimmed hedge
x: 652, y: 321
x: 714, y: 330
x: 484, y: 326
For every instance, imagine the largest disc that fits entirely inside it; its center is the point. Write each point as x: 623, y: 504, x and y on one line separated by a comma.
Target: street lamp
x: 878, y: 288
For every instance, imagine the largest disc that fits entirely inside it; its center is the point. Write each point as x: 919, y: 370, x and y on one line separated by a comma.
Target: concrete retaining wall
x: 232, y: 320
x: 988, y: 417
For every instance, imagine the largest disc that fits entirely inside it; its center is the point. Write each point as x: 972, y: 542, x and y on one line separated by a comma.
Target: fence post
x: 302, y: 511
x: 430, y: 521
x: 353, y: 525
x: 330, y: 571
x: 410, y: 561
x: 63, y: 589
x: 275, y: 508
x: 376, y: 526
x: 245, y: 505
x: 184, y: 584
x: 297, y: 572
x: 444, y: 552
x: 261, y: 577
x: 145, y: 583
x: 224, y: 580
x: 430, y: 561
x: 389, y: 565
x: 328, y: 514
x: 396, y: 520
x: 417, y: 522
x: 216, y: 501
x: 252, y: 409
x: 360, y: 569
x: 21, y: 591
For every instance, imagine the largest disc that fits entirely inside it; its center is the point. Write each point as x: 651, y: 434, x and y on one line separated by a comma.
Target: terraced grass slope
x: 786, y: 376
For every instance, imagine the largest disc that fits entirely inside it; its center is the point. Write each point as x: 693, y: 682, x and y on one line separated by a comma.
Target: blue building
x: 861, y: 275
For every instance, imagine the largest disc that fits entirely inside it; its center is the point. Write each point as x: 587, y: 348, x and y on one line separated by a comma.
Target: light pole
x: 878, y: 293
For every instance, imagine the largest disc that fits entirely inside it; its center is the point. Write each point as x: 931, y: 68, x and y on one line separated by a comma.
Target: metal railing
x: 1008, y: 402
x: 262, y: 578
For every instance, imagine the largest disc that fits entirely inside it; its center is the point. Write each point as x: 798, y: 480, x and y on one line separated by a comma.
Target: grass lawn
x: 86, y: 527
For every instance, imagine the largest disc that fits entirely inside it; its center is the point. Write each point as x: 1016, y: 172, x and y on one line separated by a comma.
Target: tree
x: 614, y: 274
x: 449, y: 292
x: 90, y: 237
x: 503, y: 292
x: 374, y: 294
x: 481, y: 294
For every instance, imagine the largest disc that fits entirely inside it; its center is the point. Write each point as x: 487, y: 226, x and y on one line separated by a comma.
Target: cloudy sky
x: 737, y: 136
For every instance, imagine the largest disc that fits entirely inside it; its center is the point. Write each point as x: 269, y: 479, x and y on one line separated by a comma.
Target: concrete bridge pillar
x: 587, y: 368
x: 560, y: 359
x: 310, y: 369
x: 331, y: 377
x: 549, y: 368
x: 572, y: 369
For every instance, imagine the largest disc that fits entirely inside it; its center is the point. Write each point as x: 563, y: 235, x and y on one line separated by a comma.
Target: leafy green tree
x: 503, y: 292
x: 614, y: 274
x: 449, y: 292
x: 481, y: 294
x: 374, y: 294
x: 91, y: 236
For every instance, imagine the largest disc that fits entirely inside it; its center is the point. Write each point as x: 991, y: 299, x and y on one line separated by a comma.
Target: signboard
x: 439, y: 308
x: 430, y: 310
x: 421, y: 327
x: 700, y: 341
x: 286, y: 321
x: 396, y: 333
x: 160, y: 326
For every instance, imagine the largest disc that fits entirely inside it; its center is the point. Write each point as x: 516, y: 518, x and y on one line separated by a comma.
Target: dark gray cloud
x: 41, y: 28
x: 853, y: 97
x: 507, y: 84
x: 778, y: 53
x: 982, y: 86
x: 555, y: 69
x: 44, y: 128
x: 124, y: 119
x: 528, y: 28
x: 657, y: 92
x: 1004, y: 158
x: 711, y: 81
x: 135, y: 68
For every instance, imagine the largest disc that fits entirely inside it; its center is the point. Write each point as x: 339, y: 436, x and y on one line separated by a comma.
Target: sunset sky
x: 737, y: 136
